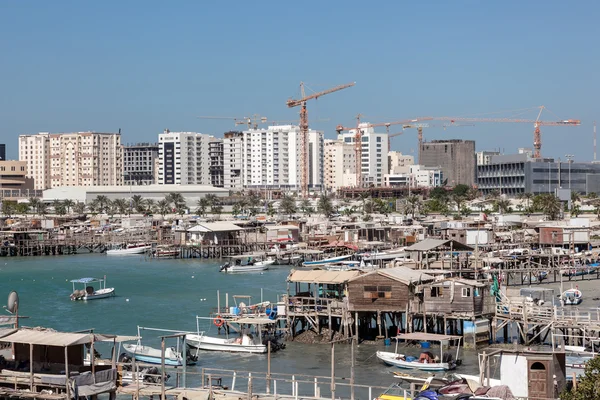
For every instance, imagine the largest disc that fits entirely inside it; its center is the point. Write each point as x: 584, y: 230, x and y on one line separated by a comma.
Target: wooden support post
x: 352, y: 370
x: 31, y: 367
x: 269, y: 367
x: 356, y: 325
x: 68, y: 389
x: 332, y: 371
x: 162, y: 366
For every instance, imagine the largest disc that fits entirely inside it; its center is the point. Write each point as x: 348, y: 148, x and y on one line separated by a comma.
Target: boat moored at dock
x: 90, y: 292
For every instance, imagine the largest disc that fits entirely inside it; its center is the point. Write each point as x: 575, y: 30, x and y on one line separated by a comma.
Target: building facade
x: 399, y: 163
x: 14, y: 182
x: 138, y: 163
x: 215, y: 152
x: 417, y: 176
x: 35, y: 151
x: 374, y: 156
x: 73, y: 159
x: 484, y: 157
x: 184, y: 158
x: 519, y: 173
x: 456, y: 159
x: 2, y: 152
x: 339, y: 165
x: 233, y: 145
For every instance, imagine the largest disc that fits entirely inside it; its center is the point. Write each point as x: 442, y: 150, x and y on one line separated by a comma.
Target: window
x: 437, y: 291
x: 377, y: 292
x: 378, y: 139
x: 466, y: 292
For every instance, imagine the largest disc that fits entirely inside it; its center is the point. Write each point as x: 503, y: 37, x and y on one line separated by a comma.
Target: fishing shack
x: 434, y: 253
x: 43, y: 361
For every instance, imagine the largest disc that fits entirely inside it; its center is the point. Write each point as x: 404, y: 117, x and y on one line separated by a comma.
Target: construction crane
x: 252, y: 122
x: 359, y: 130
x: 419, y: 128
x: 304, y: 127
x: 537, y: 134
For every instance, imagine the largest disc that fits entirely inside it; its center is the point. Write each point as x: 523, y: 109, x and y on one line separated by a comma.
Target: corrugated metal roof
x: 49, y: 338
x: 406, y: 275
x: 280, y: 227
x: 322, y: 276
x: 251, y: 320
x: 430, y: 337
x: 431, y: 244
x: 6, y: 331
x: 215, y: 227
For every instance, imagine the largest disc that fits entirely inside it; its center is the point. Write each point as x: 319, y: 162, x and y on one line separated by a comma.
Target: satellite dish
x: 13, y: 302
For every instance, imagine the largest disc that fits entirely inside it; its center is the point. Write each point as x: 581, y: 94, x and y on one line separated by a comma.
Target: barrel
x: 425, y: 345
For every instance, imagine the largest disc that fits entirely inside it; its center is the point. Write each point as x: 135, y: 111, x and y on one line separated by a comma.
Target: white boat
x: 129, y: 250
x: 325, y: 261
x: 426, y: 361
x: 571, y: 297
x: 246, y: 264
x: 249, y: 341
x: 89, y: 292
x: 151, y: 355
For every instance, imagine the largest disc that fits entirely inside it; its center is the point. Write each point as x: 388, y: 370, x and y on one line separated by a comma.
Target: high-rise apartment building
x: 271, y: 158
x: 184, y: 158
x: 215, y: 152
x: 484, y: 157
x: 138, y: 163
x: 13, y: 177
x: 72, y: 159
x: 233, y: 143
x: 400, y: 163
x: 35, y: 151
x: 456, y: 159
x: 374, y: 160
x: 2, y: 152
x: 339, y: 165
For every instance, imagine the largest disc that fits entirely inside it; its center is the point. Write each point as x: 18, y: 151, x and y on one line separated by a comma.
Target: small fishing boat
x: 326, y: 261
x: 426, y: 361
x: 129, y: 249
x: 151, y: 355
x: 165, y: 252
x: 246, y: 263
x: 572, y: 297
x: 252, y: 338
x: 89, y: 292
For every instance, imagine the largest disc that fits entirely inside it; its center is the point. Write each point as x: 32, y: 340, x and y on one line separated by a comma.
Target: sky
x: 146, y: 66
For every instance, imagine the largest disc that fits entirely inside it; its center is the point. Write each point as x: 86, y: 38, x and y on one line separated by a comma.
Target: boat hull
x: 153, y: 356
x: 99, y: 294
x: 245, y: 268
x: 216, y: 344
x: 326, y: 261
x: 127, y: 252
x: 394, y: 359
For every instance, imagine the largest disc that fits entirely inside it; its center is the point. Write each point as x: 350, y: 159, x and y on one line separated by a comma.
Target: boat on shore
x: 246, y: 263
x: 326, y: 261
x: 151, y: 355
x: 165, y: 252
x: 426, y: 361
x: 571, y: 297
x: 89, y: 292
x: 129, y: 249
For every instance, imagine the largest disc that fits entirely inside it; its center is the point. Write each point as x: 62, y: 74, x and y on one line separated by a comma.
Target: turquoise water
x: 168, y: 294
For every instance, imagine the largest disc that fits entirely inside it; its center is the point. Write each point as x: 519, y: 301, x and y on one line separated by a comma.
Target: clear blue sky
x: 144, y: 66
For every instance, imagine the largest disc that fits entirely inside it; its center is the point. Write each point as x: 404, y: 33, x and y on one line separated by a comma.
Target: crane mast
x: 304, y: 127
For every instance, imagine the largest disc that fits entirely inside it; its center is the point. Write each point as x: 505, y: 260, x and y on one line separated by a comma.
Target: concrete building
x: 374, y: 157
x: 138, y: 163
x: 215, y: 152
x: 184, y: 158
x: 14, y: 182
x: 35, y: 151
x: 456, y: 158
x: 271, y: 158
x: 191, y: 193
x: 73, y: 159
x: 2, y: 152
x: 339, y: 165
x: 399, y: 163
x: 484, y: 157
x: 519, y: 173
x: 417, y: 176
x: 233, y: 144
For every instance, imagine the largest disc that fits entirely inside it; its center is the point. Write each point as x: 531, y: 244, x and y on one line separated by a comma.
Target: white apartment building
x: 485, y: 157
x: 73, y: 159
x: 417, y: 176
x: 184, y: 158
x: 339, y: 165
x: 271, y: 158
x: 399, y: 163
x: 374, y: 160
x: 35, y: 151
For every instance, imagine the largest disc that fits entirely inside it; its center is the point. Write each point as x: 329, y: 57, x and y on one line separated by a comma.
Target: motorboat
x: 426, y: 361
x: 571, y: 297
x: 165, y: 252
x: 151, y: 355
x: 89, y: 292
x: 246, y: 263
x: 252, y: 338
x: 129, y: 249
x: 326, y: 261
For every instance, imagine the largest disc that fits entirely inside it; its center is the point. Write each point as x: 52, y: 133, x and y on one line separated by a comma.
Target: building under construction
x: 456, y: 159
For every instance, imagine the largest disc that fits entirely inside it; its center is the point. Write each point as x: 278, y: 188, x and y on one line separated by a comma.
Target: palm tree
x: 253, y: 204
x: 60, y: 209
x: 502, y: 205
x: 551, y: 206
x: 413, y: 204
x: 212, y: 199
x: 306, y: 207
x: 56, y: 204
x: 149, y: 206
x: 237, y: 208
x: 42, y: 208
x: 120, y: 205
x: 216, y: 209
x: 22, y: 208
x: 575, y: 196
x: 163, y: 206
x: 287, y: 205
x: 68, y: 203
x: 527, y: 197
x: 9, y: 207
x: 103, y: 203
x: 271, y: 209
x: 202, y: 204
x: 324, y: 206
x: 176, y: 199
x: 79, y: 208
x: 137, y: 202
x: 34, y: 202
